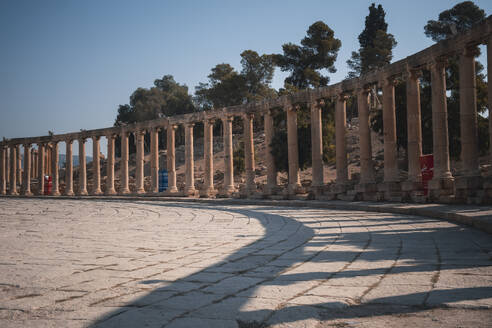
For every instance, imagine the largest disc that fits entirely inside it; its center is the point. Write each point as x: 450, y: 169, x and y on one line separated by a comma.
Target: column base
x: 441, y: 189
x: 83, y: 193
x: 27, y: 193
x: 140, y: 191
x: 171, y: 192
x: 55, y: 193
x: 110, y: 192
x: 124, y: 191
x: 15, y: 193
x: 191, y: 192
x: 208, y: 192
x: 227, y: 191
x: 294, y: 189
x: 96, y: 192
x: 69, y: 193
x: 271, y: 190
x: 390, y: 191
x: 467, y: 187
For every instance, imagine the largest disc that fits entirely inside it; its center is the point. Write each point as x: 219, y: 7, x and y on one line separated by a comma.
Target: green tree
x: 376, y: 44
x: 318, y: 51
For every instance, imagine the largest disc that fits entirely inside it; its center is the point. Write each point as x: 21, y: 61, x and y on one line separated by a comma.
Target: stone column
x: 293, y: 150
x: 41, y: 169
x: 19, y: 166
x: 271, y: 184
x: 3, y: 182
x: 249, y: 153
x: 208, y: 146
x: 228, y: 156
x: 317, y: 145
x: 140, y: 189
x: 55, y: 191
x: 82, y: 168
x: 26, y: 188
x: 124, y: 163
x: 171, y: 160
x: 96, y: 166
x: 468, y: 113
x: 341, y: 142
x: 489, y: 93
x: 7, y: 166
x: 13, y: 170
x: 154, y: 160
x: 33, y: 163
x: 366, y: 163
x: 443, y: 181
x: 189, y: 160
x: 69, y: 168
x: 110, y: 166
x: 391, y: 173
x: 414, y: 127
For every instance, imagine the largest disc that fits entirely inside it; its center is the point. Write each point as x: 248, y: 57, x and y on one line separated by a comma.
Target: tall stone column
x: 154, y: 160
x: 41, y: 149
x: 271, y: 184
x: 69, y: 168
x: 19, y: 166
x: 82, y: 168
x: 414, y: 126
x: 468, y: 113
x: 33, y: 164
x: 189, y: 160
x: 7, y: 166
x: 293, y: 150
x: 341, y: 141
x: 489, y: 93
x: 96, y: 166
x: 171, y: 159
x: 3, y: 182
x: 140, y: 188
x: 443, y: 182
x: 249, y: 153
x: 13, y: 170
x: 26, y: 187
x: 366, y: 163
x: 228, y: 156
x: 391, y: 173
x: 317, y: 145
x: 110, y: 166
x: 208, y: 145
x: 55, y: 191
x: 124, y: 163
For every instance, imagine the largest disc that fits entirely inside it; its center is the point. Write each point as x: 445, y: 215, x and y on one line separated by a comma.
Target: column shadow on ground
x: 151, y: 310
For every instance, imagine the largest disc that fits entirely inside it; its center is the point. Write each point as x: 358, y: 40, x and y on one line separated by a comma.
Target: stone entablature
x: 444, y: 186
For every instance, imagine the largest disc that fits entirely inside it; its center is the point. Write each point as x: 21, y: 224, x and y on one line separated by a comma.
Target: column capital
x: 438, y: 62
x: 470, y: 51
x: 96, y: 138
x: 412, y: 73
x: 387, y: 81
x: 228, y: 118
x: 27, y: 145
x: 140, y: 133
x: 342, y: 97
x: 318, y: 102
x: 111, y: 136
x: 81, y: 139
x: 190, y: 124
x: 363, y: 90
x: 174, y: 126
x: 248, y: 115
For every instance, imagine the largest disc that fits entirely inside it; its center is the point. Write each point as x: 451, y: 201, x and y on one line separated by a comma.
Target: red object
x: 427, y: 169
x: 48, y: 185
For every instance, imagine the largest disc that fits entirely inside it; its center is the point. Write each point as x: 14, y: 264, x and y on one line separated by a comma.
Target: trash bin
x: 427, y: 169
x: 162, y: 180
x: 48, y: 185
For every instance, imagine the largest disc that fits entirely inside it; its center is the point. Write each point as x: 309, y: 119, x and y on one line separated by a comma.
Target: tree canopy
x: 227, y: 87
x: 318, y: 51
x: 376, y: 44
x: 458, y: 19
x: 165, y: 98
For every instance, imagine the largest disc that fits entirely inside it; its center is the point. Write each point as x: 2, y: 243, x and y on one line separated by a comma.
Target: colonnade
x: 468, y: 183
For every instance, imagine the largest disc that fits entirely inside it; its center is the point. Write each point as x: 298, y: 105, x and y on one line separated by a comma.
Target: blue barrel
x: 162, y: 180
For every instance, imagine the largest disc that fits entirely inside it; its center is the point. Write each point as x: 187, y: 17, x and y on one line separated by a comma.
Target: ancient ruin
x: 467, y: 186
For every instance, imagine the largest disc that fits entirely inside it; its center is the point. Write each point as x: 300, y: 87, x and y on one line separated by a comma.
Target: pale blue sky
x: 66, y: 65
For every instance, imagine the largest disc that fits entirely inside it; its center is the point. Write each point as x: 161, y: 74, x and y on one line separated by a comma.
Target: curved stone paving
x: 72, y: 263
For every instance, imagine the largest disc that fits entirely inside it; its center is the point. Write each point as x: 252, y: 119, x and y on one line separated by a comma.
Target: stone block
x: 411, y: 186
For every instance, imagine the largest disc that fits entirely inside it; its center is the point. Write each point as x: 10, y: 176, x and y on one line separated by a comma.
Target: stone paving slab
x: 137, y: 263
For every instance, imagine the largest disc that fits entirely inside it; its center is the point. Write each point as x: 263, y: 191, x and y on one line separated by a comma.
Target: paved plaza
x: 95, y: 263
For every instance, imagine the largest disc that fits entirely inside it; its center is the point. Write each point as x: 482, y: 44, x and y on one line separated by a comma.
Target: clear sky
x: 66, y: 65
